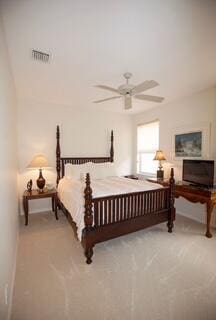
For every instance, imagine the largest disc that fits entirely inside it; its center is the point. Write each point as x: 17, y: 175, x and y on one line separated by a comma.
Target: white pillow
x: 111, y: 170
x: 77, y: 171
x: 97, y: 172
x: 102, y: 170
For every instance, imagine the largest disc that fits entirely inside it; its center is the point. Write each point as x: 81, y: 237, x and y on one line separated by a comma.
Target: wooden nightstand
x: 35, y: 194
x: 132, y: 176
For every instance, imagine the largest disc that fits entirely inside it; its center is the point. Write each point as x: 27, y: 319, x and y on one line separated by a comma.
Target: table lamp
x: 160, y: 156
x: 39, y: 162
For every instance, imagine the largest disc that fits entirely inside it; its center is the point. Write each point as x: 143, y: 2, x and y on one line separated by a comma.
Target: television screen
x: 199, y: 172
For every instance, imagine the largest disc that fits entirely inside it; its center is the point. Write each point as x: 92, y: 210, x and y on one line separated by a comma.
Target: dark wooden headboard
x: 61, y: 161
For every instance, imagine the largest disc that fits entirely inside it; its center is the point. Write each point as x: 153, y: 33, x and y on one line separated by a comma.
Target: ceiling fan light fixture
x: 128, y: 90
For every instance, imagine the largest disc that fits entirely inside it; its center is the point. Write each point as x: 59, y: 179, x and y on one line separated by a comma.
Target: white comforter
x: 71, y: 193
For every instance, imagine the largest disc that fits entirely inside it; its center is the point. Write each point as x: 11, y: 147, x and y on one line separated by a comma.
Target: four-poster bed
x: 111, y: 216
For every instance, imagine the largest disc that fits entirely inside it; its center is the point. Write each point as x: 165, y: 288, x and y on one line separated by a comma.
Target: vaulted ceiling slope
x: 95, y: 42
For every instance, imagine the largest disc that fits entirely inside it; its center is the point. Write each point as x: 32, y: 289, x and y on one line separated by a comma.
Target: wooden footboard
x: 112, y: 216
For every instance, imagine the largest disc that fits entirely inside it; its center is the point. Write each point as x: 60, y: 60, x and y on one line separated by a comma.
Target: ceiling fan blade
x: 149, y: 98
x: 107, y: 88
x: 111, y: 98
x: 128, y: 101
x: 146, y: 85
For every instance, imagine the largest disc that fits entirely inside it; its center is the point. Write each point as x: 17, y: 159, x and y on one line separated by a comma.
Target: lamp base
x: 41, y: 181
x: 160, y: 174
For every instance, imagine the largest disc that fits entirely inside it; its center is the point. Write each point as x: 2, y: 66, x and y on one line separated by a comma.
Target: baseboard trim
x: 192, y: 217
x: 37, y: 211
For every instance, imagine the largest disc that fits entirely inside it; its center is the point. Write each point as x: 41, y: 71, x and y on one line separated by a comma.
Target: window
x: 147, y: 144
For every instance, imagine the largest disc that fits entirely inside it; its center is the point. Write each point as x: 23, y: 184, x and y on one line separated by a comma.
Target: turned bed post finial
x: 88, y: 220
x: 172, y: 186
x: 88, y: 217
x: 112, y: 147
x: 172, y: 201
x: 58, y: 154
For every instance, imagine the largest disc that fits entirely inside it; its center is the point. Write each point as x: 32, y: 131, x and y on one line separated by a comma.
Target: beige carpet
x: 148, y: 275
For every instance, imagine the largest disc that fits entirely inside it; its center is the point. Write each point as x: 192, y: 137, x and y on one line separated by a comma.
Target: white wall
x: 188, y: 112
x: 8, y: 185
x: 83, y: 133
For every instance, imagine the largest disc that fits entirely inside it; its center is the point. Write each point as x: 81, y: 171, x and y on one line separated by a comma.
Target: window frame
x: 139, y: 153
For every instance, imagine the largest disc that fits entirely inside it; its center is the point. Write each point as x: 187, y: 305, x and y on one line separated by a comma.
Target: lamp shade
x: 39, y: 161
x: 159, y: 155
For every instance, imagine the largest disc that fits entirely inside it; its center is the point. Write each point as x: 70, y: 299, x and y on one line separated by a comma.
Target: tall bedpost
x: 171, y: 217
x: 88, y: 220
x: 58, y: 154
x: 112, y: 148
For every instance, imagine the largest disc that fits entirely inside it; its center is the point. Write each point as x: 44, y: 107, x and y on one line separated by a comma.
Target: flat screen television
x: 199, y: 172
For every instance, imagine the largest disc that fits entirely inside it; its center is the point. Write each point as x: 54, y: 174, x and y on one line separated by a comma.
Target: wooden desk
x: 201, y: 195
x: 196, y: 195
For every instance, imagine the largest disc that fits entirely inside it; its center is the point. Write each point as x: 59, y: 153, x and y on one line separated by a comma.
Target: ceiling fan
x: 127, y: 91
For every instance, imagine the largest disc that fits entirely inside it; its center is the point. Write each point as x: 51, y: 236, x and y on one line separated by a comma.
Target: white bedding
x: 71, y: 193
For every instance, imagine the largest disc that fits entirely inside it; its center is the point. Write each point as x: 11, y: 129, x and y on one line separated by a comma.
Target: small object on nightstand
x: 160, y: 156
x: 132, y: 176
x: 29, y: 185
x: 36, y: 194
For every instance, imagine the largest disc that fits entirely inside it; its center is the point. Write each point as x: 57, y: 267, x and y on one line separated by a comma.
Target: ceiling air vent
x: 40, y: 56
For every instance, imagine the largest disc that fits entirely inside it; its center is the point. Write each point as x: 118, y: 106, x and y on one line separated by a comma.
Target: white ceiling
x: 96, y: 41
